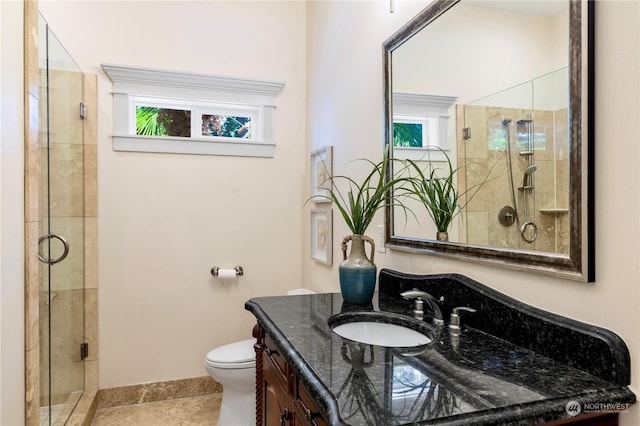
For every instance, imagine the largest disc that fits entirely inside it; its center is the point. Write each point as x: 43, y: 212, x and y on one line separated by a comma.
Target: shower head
x: 526, y: 182
x: 506, y: 121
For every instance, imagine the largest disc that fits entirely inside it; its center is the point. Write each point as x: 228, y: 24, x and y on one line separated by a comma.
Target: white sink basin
x: 381, y: 334
x: 382, y: 329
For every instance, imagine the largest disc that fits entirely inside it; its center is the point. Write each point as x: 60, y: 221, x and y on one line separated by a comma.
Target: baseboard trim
x: 158, y: 391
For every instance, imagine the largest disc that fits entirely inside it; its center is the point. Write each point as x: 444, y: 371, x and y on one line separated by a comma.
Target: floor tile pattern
x: 202, y: 410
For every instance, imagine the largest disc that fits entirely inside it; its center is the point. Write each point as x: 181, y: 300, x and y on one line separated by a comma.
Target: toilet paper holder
x: 238, y: 269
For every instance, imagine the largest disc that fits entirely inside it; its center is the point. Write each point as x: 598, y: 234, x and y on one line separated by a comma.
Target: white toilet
x: 234, y: 367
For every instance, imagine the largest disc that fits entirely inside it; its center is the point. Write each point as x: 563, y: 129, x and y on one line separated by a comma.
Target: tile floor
x: 197, y: 410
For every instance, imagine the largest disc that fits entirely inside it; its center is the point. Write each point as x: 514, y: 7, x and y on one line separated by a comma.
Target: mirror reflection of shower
x: 523, y: 131
x: 527, y: 226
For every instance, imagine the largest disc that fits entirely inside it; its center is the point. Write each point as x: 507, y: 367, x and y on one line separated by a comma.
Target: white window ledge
x: 420, y: 154
x: 177, y: 145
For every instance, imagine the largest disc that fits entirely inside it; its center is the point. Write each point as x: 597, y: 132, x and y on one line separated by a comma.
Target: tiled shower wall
x: 72, y: 212
x: 480, y: 225
x: 78, y: 220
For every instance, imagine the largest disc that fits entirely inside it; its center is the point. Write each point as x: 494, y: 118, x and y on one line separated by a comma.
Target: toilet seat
x: 234, y: 355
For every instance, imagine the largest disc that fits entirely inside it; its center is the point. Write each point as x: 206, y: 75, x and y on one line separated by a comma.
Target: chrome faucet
x: 455, y: 326
x: 418, y: 308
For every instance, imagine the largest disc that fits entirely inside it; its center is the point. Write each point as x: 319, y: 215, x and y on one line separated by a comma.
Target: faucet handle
x: 454, y: 319
x: 417, y: 294
x: 420, y: 297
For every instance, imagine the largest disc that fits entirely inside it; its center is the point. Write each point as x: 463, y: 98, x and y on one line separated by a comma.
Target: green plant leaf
x: 147, y: 121
x: 440, y: 195
x: 364, y: 199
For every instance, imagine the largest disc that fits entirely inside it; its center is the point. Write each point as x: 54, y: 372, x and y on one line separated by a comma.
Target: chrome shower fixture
x: 526, y: 181
x: 509, y: 215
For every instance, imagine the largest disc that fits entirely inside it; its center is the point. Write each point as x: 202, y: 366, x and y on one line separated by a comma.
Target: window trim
x: 196, y: 92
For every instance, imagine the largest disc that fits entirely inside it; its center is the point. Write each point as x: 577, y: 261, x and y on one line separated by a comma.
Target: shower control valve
x: 507, y: 216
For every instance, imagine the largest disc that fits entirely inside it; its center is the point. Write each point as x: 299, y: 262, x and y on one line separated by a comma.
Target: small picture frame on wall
x: 321, y: 169
x: 322, y: 235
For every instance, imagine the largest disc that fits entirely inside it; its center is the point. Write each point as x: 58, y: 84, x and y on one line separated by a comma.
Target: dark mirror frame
x: 580, y: 263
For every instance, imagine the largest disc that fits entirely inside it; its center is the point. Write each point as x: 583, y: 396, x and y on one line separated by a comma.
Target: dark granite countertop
x: 479, y: 377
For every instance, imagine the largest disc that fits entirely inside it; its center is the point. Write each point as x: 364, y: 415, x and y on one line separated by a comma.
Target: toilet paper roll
x: 225, y: 274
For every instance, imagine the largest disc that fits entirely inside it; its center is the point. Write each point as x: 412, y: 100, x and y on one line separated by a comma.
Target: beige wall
x: 11, y: 216
x: 165, y: 220
x: 344, y: 109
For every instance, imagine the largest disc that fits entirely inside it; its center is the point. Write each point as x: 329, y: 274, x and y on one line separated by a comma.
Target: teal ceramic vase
x: 357, y: 271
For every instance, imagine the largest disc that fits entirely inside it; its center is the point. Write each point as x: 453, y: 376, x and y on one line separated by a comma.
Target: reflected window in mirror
x: 421, y: 126
x: 413, y: 132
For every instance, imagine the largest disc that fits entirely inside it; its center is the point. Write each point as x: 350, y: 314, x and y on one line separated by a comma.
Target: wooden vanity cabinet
x: 277, y: 405
x: 280, y: 397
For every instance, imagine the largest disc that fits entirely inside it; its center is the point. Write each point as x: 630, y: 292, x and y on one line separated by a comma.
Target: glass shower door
x: 61, y: 249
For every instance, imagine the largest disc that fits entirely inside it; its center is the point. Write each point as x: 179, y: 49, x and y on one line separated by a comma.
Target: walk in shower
x: 61, y: 248
x: 521, y: 135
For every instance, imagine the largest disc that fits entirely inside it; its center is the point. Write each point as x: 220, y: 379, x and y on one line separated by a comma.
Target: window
x: 158, y: 121
x: 415, y: 132
x: 164, y: 111
x: 226, y: 126
x: 164, y: 117
x: 420, y: 124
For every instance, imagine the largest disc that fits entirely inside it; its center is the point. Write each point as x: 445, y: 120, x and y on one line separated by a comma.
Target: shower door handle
x: 64, y: 254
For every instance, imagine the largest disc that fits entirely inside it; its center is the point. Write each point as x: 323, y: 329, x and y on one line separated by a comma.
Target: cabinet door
x: 307, y: 412
x: 277, y: 402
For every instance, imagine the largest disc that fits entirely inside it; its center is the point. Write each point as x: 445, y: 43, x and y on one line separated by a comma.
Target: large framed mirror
x: 503, y: 91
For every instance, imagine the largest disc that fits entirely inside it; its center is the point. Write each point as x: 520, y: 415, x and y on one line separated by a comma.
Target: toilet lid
x: 297, y: 291
x: 233, y: 353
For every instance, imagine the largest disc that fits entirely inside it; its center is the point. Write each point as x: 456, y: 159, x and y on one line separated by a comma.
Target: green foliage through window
x: 407, y: 135
x: 497, y: 139
x: 153, y: 121
x: 226, y: 126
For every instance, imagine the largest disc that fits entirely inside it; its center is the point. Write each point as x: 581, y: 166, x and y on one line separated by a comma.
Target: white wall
x: 11, y: 215
x: 490, y: 49
x: 165, y: 220
x: 344, y: 98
